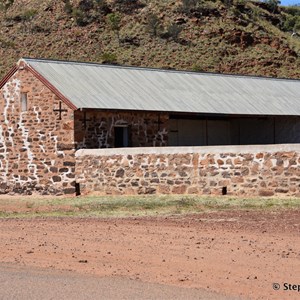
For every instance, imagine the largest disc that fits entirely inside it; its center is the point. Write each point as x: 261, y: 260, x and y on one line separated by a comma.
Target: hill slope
x: 244, y: 37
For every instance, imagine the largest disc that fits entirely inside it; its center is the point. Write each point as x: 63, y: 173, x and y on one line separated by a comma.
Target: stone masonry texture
x: 36, y: 148
x: 242, y: 170
x: 38, y: 152
x: 95, y: 129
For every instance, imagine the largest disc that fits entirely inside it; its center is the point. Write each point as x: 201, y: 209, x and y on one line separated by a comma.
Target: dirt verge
x: 237, y: 253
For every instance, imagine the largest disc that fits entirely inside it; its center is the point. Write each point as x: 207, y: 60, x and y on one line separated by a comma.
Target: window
x: 23, y: 102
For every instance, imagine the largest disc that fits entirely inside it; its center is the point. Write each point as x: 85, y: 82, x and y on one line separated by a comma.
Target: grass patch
x: 124, y: 206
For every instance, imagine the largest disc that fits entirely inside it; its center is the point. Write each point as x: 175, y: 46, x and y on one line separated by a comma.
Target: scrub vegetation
x: 228, y: 36
x: 134, y: 206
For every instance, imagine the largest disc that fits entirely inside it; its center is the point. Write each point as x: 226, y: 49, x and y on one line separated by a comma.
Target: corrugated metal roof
x: 99, y: 86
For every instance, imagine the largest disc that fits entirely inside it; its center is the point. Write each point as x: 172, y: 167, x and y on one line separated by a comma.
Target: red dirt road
x: 236, y: 253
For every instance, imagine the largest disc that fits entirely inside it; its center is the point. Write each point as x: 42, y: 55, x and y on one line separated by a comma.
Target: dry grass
x: 124, y: 206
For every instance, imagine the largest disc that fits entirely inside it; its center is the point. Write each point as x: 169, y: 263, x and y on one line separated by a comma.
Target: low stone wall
x: 264, y: 170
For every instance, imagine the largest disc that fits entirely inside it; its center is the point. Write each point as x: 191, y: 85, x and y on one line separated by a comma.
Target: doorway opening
x: 77, y: 189
x: 122, y: 138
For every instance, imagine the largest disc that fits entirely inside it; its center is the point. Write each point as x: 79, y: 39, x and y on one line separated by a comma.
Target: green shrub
x: 227, y: 3
x: 114, y: 20
x: 7, y: 44
x: 187, y: 5
x: 102, y: 7
x: 5, y: 5
x: 240, y: 2
x: 173, y: 31
x: 292, y: 10
x: 153, y: 24
x: 26, y: 18
x: 127, y: 6
x: 197, y: 68
x: 109, y: 58
x: 291, y: 23
x: 272, y: 4
x: 28, y: 15
x: 88, y: 11
x: 86, y: 5
x: 80, y: 17
x: 296, y: 27
x: 255, y: 13
x: 68, y: 8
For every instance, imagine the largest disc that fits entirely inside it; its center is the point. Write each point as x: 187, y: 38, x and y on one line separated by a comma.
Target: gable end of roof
x: 22, y: 64
x: 50, y: 86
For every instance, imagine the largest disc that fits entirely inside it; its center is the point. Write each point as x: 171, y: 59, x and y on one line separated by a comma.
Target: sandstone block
x: 181, y: 189
x: 220, y: 162
x: 259, y: 155
x: 192, y: 190
x: 120, y: 173
x: 265, y: 193
x: 164, y: 189
x: 281, y: 190
x: 56, y: 178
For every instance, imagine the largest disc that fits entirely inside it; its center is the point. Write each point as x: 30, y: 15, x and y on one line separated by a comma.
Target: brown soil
x: 236, y: 253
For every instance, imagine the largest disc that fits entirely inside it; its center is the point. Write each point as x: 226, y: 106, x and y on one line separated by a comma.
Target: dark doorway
x: 77, y: 189
x: 121, y: 136
x: 224, y: 190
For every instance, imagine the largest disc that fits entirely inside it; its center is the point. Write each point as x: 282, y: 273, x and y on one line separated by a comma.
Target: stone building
x: 51, y: 109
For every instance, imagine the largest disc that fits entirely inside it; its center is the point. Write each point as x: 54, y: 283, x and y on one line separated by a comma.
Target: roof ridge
x: 28, y: 59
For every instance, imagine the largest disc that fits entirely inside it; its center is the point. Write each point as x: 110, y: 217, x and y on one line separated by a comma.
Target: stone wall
x: 95, y: 129
x: 36, y: 147
x: 264, y: 170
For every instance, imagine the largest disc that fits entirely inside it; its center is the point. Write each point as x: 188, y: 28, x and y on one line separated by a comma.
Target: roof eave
x: 10, y: 73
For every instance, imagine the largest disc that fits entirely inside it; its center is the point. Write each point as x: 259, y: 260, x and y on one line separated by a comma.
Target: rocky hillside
x: 229, y: 36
